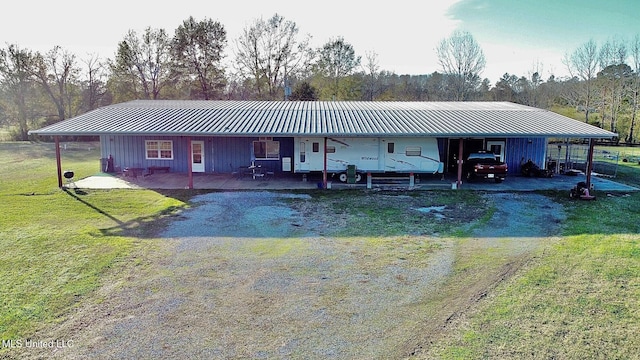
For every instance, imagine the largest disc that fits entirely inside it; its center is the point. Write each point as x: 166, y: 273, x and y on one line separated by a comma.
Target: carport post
x: 459, y: 181
x: 57, y: 142
x: 190, y: 163
x: 590, y: 162
x: 324, y: 166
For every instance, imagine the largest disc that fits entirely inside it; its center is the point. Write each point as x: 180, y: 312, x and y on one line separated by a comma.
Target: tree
x: 94, y: 85
x: 144, y: 63
x: 17, y: 86
x: 372, y: 69
x: 463, y: 60
x: 336, y: 60
x: 304, y: 92
x: 57, y: 73
x: 614, y: 81
x: 635, y: 87
x: 583, y: 63
x: 198, y: 52
x: 270, y: 52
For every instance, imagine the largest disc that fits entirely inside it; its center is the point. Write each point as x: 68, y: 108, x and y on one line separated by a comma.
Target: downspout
x: 590, y: 162
x: 58, y: 163
x: 189, y: 163
x: 460, y: 154
x: 324, y: 166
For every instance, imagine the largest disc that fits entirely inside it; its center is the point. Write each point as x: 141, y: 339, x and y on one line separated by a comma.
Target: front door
x: 197, y: 156
x: 496, y: 147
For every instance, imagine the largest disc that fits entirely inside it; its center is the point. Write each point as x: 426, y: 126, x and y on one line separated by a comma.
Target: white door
x: 197, y: 156
x: 496, y: 147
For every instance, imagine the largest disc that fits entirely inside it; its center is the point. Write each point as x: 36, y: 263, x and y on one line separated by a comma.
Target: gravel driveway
x: 263, y: 275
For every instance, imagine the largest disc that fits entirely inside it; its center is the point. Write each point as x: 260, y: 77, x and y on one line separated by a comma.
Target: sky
x: 517, y: 37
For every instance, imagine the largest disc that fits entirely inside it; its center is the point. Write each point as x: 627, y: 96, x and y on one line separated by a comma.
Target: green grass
x: 578, y: 300
x: 57, y: 245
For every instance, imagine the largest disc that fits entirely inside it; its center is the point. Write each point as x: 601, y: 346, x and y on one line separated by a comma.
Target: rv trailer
x: 367, y: 155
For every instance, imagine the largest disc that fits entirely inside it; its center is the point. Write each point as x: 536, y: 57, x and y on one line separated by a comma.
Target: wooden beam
x: 58, y: 162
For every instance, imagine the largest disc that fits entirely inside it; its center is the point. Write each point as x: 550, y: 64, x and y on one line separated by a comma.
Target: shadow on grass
x: 76, y: 195
x: 141, y: 227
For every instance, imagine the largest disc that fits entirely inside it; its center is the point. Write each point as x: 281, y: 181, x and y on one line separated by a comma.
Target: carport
x: 215, y: 137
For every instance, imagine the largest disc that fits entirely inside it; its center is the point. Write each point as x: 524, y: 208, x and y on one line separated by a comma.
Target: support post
x: 460, y: 155
x: 369, y: 180
x: 590, y: 162
x: 412, y: 181
x: 324, y: 166
x: 58, y: 162
x: 190, y: 162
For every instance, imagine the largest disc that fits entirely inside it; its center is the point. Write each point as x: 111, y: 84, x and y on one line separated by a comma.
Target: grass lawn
x: 56, y: 245
x: 578, y: 300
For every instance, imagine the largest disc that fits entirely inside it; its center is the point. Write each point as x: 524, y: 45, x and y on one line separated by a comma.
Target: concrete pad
x: 292, y: 182
x: 103, y: 182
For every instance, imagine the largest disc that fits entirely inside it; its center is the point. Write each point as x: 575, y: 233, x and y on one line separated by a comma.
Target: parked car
x: 484, y: 165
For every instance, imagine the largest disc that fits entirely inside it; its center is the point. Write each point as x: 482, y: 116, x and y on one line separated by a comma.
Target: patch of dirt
x: 272, y: 275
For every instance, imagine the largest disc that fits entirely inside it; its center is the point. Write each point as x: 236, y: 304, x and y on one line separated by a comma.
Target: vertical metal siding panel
x: 104, y: 147
x: 520, y: 150
x: 232, y: 152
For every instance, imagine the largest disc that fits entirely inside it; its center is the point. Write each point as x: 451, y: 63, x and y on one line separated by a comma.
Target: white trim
x: 159, y: 149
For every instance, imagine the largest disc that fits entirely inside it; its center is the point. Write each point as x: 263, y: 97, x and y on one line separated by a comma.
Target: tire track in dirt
x: 521, y: 224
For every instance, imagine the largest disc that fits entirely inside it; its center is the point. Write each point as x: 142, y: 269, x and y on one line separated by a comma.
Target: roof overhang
x: 336, y: 119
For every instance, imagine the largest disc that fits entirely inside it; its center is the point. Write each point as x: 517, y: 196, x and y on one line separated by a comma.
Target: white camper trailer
x: 367, y: 155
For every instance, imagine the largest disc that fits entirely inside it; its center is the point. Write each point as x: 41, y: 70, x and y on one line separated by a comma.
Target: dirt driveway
x: 266, y: 275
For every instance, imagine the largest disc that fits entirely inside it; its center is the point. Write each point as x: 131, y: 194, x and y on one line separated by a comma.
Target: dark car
x: 484, y: 165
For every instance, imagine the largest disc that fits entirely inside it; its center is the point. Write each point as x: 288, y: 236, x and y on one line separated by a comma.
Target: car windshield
x: 482, y: 156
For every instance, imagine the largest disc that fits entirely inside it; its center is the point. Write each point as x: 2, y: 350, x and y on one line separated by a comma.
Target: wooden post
x: 58, y: 162
x: 460, y: 155
x: 190, y: 162
x: 324, y: 166
x: 590, y: 162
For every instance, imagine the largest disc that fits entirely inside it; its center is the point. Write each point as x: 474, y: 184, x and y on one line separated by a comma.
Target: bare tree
x: 613, y: 52
x: 463, y: 60
x: 336, y: 60
x: 372, y: 70
x: 635, y: 86
x: 583, y: 63
x: 198, y: 51
x: 94, y: 84
x: 57, y: 73
x: 144, y: 61
x: 270, y: 52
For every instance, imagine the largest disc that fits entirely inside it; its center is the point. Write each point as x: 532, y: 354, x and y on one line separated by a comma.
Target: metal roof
x: 324, y: 118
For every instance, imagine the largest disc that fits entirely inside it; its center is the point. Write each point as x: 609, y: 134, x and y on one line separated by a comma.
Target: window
x: 391, y: 147
x: 331, y: 149
x: 413, y: 151
x: 303, y: 152
x: 266, y: 150
x: 159, y: 149
x: 316, y: 147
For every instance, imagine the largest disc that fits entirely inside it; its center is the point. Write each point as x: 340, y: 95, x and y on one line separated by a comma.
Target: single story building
x: 331, y: 137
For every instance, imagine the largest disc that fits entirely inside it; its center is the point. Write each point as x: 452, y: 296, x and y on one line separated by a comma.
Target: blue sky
x: 516, y: 36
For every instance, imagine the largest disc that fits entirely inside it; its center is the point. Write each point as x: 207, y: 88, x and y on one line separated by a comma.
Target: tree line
x: 272, y: 60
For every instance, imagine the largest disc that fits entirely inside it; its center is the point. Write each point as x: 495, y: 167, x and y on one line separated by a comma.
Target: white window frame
x: 157, y: 145
x: 268, y: 145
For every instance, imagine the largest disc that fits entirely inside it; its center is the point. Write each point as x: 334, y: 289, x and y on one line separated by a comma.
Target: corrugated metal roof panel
x: 320, y: 118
